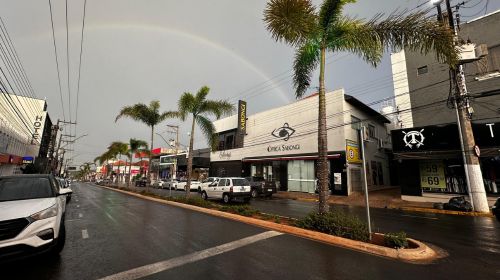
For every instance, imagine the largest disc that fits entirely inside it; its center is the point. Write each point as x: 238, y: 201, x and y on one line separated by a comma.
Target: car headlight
x: 44, y: 214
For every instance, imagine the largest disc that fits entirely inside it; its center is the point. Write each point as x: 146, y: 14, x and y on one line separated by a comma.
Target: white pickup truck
x: 227, y: 189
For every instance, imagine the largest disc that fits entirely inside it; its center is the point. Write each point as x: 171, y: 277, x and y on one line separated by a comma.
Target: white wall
x: 300, y: 116
x: 401, y: 89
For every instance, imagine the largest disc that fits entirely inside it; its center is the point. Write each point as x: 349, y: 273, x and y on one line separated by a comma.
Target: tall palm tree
x: 199, y: 108
x: 105, y: 158
x: 119, y: 149
x: 149, y: 115
x: 134, y: 146
x: 314, y: 32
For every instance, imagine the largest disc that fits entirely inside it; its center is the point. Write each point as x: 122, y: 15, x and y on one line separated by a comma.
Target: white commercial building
x: 281, y: 144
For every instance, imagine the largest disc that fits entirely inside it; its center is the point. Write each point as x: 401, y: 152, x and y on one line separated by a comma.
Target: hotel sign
x: 38, y: 129
x: 242, y: 117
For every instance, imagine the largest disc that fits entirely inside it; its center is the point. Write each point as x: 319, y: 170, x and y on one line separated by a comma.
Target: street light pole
x: 365, y: 181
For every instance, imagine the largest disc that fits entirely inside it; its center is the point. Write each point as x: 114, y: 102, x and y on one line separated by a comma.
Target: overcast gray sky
x: 138, y: 51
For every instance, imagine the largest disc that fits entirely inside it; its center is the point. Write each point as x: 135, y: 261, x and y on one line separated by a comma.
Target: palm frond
x: 186, y: 105
x: 352, y: 35
x: 306, y: 60
x: 415, y: 32
x: 291, y: 21
x: 208, y: 129
x: 331, y: 11
x: 135, y: 112
x: 218, y: 108
x: 201, y: 95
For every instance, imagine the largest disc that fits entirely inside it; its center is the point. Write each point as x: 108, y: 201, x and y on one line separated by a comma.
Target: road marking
x: 78, y: 206
x: 150, y: 269
x: 429, y: 218
x: 80, y: 215
x: 85, y: 234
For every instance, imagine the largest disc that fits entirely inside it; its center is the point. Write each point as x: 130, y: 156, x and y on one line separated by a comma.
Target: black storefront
x: 429, y: 159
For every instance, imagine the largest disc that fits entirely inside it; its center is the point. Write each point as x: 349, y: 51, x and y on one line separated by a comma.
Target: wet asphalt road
x: 109, y: 232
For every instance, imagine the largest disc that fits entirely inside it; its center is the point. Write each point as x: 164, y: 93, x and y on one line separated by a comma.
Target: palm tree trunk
x: 129, y: 173
x: 190, y: 158
x: 322, y: 140
x: 125, y: 171
x: 150, y: 158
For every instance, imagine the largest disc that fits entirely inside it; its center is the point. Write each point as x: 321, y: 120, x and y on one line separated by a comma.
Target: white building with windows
x: 281, y: 144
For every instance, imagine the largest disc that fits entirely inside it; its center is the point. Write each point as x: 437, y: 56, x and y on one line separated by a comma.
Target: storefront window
x: 301, y: 176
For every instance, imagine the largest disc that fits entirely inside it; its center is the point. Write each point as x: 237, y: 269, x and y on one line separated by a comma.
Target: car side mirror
x: 65, y: 191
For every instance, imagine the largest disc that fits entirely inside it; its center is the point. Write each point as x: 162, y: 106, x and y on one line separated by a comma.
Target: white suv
x: 228, y: 189
x: 31, y: 215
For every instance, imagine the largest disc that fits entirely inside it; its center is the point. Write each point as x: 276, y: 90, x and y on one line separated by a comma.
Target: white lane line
x: 80, y: 215
x: 150, y: 269
x: 420, y: 217
x: 78, y: 206
x: 85, y: 234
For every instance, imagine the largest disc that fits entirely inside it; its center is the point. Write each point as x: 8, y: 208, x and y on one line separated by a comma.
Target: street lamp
x: 437, y: 4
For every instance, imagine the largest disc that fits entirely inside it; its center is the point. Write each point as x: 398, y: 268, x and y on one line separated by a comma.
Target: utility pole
x: 472, y: 168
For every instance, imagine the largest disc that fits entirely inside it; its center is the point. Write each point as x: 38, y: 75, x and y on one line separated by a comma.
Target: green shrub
x: 196, y: 201
x: 336, y: 223
x: 243, y: 210
x: 396, y: 240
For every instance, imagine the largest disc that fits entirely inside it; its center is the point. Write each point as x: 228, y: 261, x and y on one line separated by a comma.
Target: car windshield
x: 240, y: 182
x: 258, y: 179
x: 25, y: 188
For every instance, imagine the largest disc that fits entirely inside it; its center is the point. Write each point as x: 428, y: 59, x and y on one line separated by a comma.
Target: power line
x: 80, y: 63
x: 67, y: 64
x: 57, y: 60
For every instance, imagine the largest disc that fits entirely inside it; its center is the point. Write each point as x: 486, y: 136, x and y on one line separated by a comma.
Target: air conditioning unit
x: 481, y: 50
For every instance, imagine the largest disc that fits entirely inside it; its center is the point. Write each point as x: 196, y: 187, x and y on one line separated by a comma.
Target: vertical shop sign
x: 432, y: 174
x: 242, y: 117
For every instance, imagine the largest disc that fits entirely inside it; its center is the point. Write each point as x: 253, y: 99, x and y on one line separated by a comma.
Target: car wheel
x: 199, y: 189
x: 61, y: 240
x: 204, y: 195
x: 226, y: 198
x: 254, y: 193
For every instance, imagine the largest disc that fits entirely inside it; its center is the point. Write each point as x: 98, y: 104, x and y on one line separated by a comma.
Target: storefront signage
x: 283, y: 132
x: 37, y: 127
x: 432, y: 174
x: 352, y: 152
x: 443, y: 137
x: 225, y: 155
x: 414, y: 138
x: 242, y: 117
x: 283, y: 148
x: 28, y: 160
x: 165, y: 160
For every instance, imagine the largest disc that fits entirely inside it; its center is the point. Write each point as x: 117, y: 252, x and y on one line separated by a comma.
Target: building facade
x: 25, y: 133
x: 281, y: 145
x: 427, y: 144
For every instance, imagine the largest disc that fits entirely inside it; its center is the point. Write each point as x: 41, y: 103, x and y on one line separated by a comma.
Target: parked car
x: 142, y: 182
x: 195, y: 185
x: 260, y: 186
x: 170, y: 184
x: 228, y: 189
x: 104, y: 182
x: 64, y: 184
x: 32, y: 216
x: 496, y: 209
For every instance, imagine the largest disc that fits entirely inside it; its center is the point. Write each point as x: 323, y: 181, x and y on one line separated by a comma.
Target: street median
x: 416, y: 252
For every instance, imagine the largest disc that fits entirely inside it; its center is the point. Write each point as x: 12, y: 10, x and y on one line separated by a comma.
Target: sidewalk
x: 386, y: 198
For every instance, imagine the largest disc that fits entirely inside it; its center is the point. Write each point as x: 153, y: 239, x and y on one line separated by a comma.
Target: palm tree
x: 199, y: 108
x: 119, y: 149
x: 149, y: 115
x: 105, y: 158
x: 313, y: 33
x: 134, y: 146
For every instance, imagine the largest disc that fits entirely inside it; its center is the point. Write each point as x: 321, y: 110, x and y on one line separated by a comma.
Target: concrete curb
x: 448, y: 212
x: 421, y: 254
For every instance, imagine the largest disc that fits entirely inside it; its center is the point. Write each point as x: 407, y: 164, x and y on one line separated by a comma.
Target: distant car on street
x: 260, y: 186
x: 142, y: 182
x: 496, y: 209
x: 170, y: 184
x: 195, y: 185
x: 228, y: 189
x: 32, y: 216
